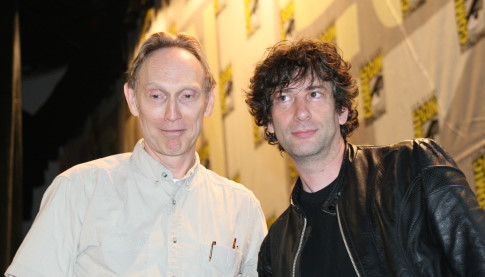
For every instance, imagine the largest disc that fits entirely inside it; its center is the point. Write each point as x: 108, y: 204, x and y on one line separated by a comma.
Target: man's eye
x: 187, y: 96
x: 155, y: 94
x: 314, y: 94
x: 283, y: 98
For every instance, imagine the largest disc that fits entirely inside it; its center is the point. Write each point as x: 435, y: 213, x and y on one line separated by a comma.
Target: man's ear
x: 131, y: 99
x: 342, y: 116
x: 270, y: 127
x: 209, y: 106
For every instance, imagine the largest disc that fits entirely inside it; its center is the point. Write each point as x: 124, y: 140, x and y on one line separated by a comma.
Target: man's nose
x: 301, y: 110
x: 172, y: 113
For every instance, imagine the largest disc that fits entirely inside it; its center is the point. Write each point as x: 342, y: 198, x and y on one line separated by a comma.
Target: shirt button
x: 174, y: 202
x: 164, y: 175
x: 174, y: 240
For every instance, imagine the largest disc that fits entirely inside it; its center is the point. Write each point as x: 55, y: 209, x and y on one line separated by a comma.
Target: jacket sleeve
x: 264, y: 258
x: 457, y: 221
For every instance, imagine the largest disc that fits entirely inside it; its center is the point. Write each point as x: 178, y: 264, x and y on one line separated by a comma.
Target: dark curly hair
x: 288, y: 62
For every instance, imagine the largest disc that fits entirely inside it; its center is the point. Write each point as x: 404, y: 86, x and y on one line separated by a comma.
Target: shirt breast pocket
x: 223, y: 261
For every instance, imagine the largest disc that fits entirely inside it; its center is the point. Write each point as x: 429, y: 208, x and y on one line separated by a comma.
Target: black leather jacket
x: 403, y: 210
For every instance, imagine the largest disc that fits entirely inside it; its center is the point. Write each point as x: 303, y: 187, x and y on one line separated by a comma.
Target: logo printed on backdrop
x: 372, y: 88
x: 252, y: 15
x: 219, y: 5
x: 409, y: 6
x: 258, y: 134
x: 287, y: 17
x: 479, y: 176
x: 329, y: 35
x: 470, y: 22
x: 425, y: 119
x: 203, y: 150
x: 226, y: 89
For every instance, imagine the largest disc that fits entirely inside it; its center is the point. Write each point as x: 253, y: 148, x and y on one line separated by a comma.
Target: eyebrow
x: 316, y: 87
x: 156, y: 85
x: 312, y: 87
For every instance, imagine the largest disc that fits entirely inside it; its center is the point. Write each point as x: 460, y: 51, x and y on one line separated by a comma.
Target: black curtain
x: 10, y: 135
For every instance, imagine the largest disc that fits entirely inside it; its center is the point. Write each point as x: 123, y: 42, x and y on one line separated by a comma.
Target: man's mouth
x: 174, y: 132
x: 303, y: 133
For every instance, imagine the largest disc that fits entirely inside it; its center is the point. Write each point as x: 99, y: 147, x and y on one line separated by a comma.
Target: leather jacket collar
x: 330, y: 205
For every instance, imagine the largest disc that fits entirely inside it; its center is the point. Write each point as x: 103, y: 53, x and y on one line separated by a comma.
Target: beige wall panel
x: 348, y: 37
x: 388, y: 12
x: 306, y: 12
x: 213, y: 125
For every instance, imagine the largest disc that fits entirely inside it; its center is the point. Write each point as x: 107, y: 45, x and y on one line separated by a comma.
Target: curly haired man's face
x: 305, y: 120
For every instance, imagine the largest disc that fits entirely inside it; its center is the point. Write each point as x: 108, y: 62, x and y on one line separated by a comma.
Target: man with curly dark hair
x: 397, y: 210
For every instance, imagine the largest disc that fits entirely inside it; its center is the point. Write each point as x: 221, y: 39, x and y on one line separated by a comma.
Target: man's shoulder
x: 109, y: 163
x: 424, y: 151
x: 82, y: 179
x: 288, y: 217
x: 222, y: 182
x: 410, y: 144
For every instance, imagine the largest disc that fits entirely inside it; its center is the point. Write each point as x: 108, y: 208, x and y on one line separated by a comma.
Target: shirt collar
x: 157, y: 172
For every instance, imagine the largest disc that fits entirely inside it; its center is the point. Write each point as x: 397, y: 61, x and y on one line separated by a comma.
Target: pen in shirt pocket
x: 212, y: 247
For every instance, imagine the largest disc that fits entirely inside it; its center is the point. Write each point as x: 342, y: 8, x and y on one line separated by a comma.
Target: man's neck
x: 317, y: 174
x: 178, y: 165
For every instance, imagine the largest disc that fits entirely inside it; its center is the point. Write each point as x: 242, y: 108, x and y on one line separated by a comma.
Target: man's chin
x: 172, y: 152
x: 168, y: 150
x: 301, y: 153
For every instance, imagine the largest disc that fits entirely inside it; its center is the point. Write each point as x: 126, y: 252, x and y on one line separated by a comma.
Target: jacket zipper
x: 299, y: 247
x: 345, y: 242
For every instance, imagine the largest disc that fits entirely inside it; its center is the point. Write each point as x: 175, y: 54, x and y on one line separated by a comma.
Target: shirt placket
x: 175, y: 230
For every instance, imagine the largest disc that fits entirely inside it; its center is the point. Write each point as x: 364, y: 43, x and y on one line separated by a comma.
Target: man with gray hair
x: 156, y: 211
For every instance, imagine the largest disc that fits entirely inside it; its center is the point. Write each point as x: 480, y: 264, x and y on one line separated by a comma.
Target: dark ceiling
x: 56, y: 32
x: 92, y: 39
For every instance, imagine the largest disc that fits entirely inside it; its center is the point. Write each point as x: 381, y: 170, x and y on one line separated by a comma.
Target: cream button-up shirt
x: 124, y: 215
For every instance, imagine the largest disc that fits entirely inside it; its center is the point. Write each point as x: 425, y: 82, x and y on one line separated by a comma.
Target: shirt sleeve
x: 258, y: 230
x: 49, y: 249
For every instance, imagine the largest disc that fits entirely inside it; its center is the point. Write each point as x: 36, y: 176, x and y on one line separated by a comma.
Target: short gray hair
x: 165, y: 40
